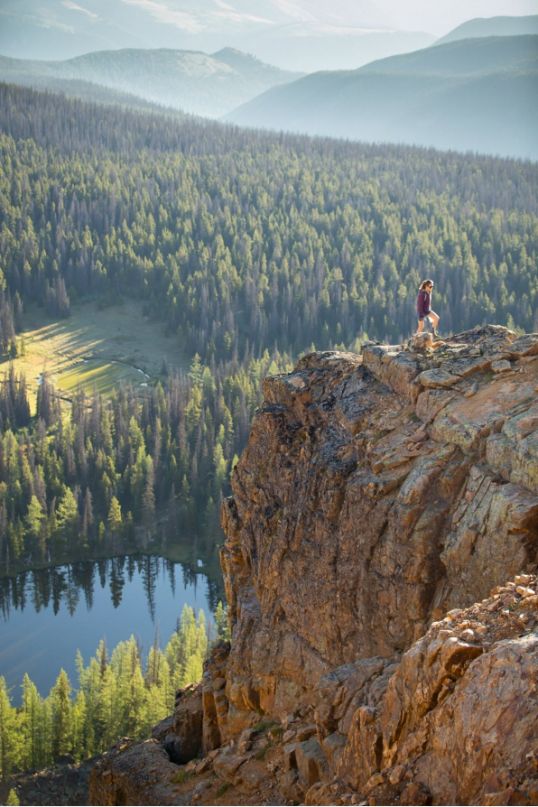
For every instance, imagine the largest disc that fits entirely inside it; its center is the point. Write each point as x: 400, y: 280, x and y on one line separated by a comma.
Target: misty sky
x: 439, y: 16
x: 435, y: 16
x: 303, y: 35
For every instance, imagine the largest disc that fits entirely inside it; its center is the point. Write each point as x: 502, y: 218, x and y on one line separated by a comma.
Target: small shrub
x: 276, y: 732
x: 181, y: 776
x: 264, y: 725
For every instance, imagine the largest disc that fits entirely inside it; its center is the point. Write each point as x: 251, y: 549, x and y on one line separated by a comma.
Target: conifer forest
x: 118, y: 694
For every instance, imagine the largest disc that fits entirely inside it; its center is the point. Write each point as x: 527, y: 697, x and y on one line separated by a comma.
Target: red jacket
x: 423, y: 304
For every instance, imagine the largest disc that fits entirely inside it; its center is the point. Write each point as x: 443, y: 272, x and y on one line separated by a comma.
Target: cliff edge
x: 382, y: 541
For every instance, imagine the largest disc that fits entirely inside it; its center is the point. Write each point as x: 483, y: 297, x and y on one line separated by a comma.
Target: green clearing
x: 95, y: 349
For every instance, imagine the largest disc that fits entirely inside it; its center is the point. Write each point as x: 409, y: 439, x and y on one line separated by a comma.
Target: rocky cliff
x: 382, y: 541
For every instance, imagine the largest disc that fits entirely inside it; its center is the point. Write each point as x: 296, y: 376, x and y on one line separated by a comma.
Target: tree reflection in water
x: 50, y: 588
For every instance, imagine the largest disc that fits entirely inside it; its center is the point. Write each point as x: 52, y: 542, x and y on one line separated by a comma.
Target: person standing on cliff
x: 424, y: 308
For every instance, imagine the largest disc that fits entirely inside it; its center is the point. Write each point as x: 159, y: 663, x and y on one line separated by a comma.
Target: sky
x: 440, y: 16
x: 61, y: 29
x: 434, y: 16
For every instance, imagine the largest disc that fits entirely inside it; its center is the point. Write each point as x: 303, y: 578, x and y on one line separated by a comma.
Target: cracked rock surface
x: 368, y: 503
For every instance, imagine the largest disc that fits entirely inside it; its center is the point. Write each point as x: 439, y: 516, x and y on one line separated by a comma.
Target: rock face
x: 378, y: 496
x: 66, y: 783
x: 375, y: 493
x: 457, y: 717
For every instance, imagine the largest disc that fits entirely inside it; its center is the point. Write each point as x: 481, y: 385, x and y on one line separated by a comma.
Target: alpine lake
x: 47, y: 614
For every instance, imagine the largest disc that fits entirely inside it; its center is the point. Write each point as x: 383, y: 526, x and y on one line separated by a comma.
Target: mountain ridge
x: 62, y: 29
x: 492, y: 26
x: 91, y: 93
x: 189, y: 80
x: 401, y: 99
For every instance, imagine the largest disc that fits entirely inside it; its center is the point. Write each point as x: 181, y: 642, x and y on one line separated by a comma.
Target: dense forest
x: 118, y: 694
x: 251, y: 247
x: 121, y: 470
x: 244, y: 241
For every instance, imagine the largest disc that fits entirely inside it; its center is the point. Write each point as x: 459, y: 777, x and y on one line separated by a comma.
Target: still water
x: 46, y: 615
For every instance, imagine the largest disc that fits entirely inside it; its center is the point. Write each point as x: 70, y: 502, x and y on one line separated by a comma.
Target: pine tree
x: 148, y: 498
x: 67, y: 515
x: 87, y: 514
x: 34, y: 518
x: 48, y: 408
x: 10, y: 748
x: 62, y: 713
x: 32, y: 726
x: 114, y: 519
x: 79, y: 726
x: 221, y: 621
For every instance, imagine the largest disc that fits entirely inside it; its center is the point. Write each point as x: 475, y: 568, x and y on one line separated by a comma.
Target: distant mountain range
x: 312, y: 46
x: 470, y: 94
x: 492, y: 26
x: 298, y: 35
x: 464, y: 93
x: 195, y: 82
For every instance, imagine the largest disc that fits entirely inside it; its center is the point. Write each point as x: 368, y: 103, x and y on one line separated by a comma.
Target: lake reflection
x: 46, y: 615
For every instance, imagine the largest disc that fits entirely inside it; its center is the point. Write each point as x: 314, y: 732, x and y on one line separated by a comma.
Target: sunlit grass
x: 94, y: 349
x: 95, y: 375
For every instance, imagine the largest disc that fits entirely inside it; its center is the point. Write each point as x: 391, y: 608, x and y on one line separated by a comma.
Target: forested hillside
x: 85, y: 90
x: 78, y: 485
x: 250, y: 247
x: 243, y: 240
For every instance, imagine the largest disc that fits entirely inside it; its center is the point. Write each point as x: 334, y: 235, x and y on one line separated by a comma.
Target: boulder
x: 526, y: 345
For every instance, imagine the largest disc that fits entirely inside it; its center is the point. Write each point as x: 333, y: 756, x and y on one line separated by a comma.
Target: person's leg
x: 434, y: 318
x: 420, y: 326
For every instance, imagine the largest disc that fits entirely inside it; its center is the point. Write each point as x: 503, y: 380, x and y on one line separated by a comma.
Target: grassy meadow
x: 94, y: 349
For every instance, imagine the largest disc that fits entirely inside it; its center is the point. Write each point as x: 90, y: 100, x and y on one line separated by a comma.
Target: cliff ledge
x: 380, y: 559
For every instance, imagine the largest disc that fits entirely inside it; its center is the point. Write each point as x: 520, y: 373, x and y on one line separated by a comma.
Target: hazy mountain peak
x: 229, y: 54
x: 59, y: 29
x: 492, y: 26
x: 190, y: 80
